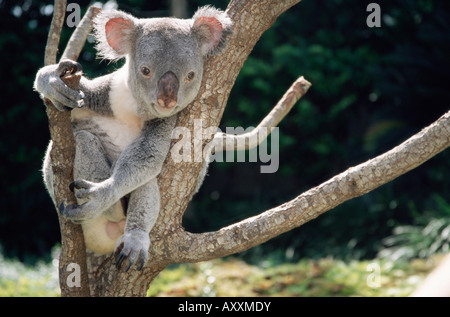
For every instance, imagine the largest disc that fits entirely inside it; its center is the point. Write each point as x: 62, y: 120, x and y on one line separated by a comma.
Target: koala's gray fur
x: 123, y: 122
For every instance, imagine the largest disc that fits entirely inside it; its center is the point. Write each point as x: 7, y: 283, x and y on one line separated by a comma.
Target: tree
x: 170, y: 242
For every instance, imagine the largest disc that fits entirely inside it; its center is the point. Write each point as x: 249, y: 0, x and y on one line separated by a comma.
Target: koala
x: 123, y: 121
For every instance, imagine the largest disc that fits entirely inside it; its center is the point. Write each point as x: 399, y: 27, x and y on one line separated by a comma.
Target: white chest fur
x: 123, y: 104
x: 125, y: 125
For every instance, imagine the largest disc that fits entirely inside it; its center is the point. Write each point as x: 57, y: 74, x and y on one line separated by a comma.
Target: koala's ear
x: 211, y: 27
x: 115, y: 32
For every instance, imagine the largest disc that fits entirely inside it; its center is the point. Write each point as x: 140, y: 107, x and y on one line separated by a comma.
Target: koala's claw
x: 135, y: 252
x: 62, y: 207
x: 83, y: 187
x: 68, y: 67
x: 122, y: 258
x: 68, y: 211
x: 51, y: 86
x: 64, y: 210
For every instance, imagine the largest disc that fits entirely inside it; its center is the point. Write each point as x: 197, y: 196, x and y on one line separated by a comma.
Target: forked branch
x: 251, y: 19
x: 170, y: 242
x: 354, y: 182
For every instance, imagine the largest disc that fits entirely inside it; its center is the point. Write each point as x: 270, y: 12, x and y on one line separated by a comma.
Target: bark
x: 177, y: 180
x: 253, y: 138
x: 51, y: 49
x: 171, y: 243
x: 79, y: 36
x: 353, y: 182
x: 62, y: 155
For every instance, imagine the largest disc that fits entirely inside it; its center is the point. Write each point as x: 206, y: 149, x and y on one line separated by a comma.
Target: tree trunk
x: 170, y: 242
x: 62, y: 155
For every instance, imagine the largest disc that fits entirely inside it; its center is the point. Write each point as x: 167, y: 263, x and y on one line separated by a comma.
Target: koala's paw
x: 98, y: 197
x: 49, y: 83
x: 132, y: 245
x: 71, y: 212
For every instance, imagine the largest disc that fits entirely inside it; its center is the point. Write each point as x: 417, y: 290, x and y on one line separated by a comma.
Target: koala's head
x: 165, y: 56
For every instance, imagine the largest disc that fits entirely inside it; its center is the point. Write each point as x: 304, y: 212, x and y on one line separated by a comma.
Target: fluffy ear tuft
x: 115, y: 32
x: 212, y: 27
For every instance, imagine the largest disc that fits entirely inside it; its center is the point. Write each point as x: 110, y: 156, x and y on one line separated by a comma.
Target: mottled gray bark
x: 62, y: 155
x: 172, y: 244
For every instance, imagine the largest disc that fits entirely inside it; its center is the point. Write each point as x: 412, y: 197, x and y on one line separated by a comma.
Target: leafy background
x: 372, y: 89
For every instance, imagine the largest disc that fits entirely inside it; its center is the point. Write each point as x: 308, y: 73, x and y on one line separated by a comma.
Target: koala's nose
x: 168, y: 90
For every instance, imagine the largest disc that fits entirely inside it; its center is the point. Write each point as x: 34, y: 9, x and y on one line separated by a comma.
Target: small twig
x: 81, y: 33
x: 255, y: 137
x: 54, y: 34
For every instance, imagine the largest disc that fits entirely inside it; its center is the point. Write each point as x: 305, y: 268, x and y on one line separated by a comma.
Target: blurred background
x: 372, y: 88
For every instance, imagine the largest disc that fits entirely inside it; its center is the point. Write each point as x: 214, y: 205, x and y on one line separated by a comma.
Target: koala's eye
x: 145, y: 71
x: 190, y: 76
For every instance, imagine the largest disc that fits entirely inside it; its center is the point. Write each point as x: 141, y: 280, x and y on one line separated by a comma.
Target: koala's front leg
x: 140, y: 162
x: 143, y: 210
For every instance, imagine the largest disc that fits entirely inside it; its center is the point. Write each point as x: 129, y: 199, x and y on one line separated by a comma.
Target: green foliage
x: 372, y: 88
x: 17, y: 279
x: 368, y: 95
x: 429, y: 235
x: 306, y: 278
x: 233, y: 277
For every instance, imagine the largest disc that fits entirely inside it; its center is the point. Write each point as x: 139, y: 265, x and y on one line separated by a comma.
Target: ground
x: 234, y: 277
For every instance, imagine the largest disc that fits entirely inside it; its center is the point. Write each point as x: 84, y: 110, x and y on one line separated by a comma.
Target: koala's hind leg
x: 92, y: 163
x: 143, y: 210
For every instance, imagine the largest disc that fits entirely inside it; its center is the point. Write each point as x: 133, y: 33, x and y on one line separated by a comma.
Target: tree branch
x: 63, y: 152
x: 51, y: 49
x: 354, y: 182
x: 170, y: 243
x: 177, y: 180
x: 253, y: 138
x: 251, y: 19
x: 81, y: 33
